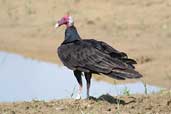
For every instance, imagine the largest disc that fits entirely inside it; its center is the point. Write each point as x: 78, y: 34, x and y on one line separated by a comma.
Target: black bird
x: 91, y: 56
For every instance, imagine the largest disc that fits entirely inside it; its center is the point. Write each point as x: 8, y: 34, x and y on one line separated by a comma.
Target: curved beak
x: 56, y: 25
x: 61, y: 22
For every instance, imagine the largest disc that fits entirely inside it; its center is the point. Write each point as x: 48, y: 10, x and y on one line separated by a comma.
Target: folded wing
x: 97, y: 57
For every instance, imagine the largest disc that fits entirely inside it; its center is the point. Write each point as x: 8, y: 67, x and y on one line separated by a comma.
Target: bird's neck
x: 71, y: 35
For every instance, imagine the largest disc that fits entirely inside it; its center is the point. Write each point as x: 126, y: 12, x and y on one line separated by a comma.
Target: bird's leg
x: 79, y: 79
x: 88, y: 80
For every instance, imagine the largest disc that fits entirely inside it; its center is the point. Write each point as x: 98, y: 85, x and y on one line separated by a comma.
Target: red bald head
x: 66, y: 20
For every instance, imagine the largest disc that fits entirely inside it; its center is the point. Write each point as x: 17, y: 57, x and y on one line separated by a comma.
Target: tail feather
x: 129, y: 61
x: 123, y: 74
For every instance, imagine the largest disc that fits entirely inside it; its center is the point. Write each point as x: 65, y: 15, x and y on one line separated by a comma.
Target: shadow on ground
x: 110, y: 99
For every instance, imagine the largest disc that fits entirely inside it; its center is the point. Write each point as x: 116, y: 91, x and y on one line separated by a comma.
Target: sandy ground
x: 147, y: 104
x: 140, y: 28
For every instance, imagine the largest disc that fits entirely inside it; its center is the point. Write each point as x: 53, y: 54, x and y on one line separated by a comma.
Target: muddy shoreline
x: 159, y: 103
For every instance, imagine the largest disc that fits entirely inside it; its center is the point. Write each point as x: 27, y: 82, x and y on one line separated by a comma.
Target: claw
x: 78, y: 97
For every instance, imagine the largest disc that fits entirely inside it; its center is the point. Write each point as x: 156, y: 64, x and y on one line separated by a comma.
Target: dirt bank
x: 138, y: 104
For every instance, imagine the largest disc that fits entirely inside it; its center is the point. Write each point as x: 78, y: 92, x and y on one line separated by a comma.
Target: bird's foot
x: 78, y: 97
x: 88, y: 97
x: 91, y: 98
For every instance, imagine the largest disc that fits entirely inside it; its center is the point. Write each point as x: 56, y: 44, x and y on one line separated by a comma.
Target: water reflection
x: 26, y: 79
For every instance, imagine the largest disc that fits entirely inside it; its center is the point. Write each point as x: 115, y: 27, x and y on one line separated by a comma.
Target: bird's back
x: 82, y: 53
x: 97, y: 57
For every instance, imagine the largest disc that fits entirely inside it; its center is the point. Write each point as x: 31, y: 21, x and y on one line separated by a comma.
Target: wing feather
x: 98, y: 57
x: 85, y: 55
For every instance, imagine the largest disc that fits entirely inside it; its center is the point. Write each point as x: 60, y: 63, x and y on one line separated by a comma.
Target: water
x: 25, y: 79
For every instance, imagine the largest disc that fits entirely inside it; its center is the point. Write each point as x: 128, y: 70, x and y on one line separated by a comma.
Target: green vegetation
x: 126, y: 91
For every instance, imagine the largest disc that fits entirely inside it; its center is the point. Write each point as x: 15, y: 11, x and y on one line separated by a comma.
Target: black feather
x: 94, y: 56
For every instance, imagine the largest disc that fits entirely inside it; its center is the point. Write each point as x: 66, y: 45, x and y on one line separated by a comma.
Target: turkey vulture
x: 91, y: 56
